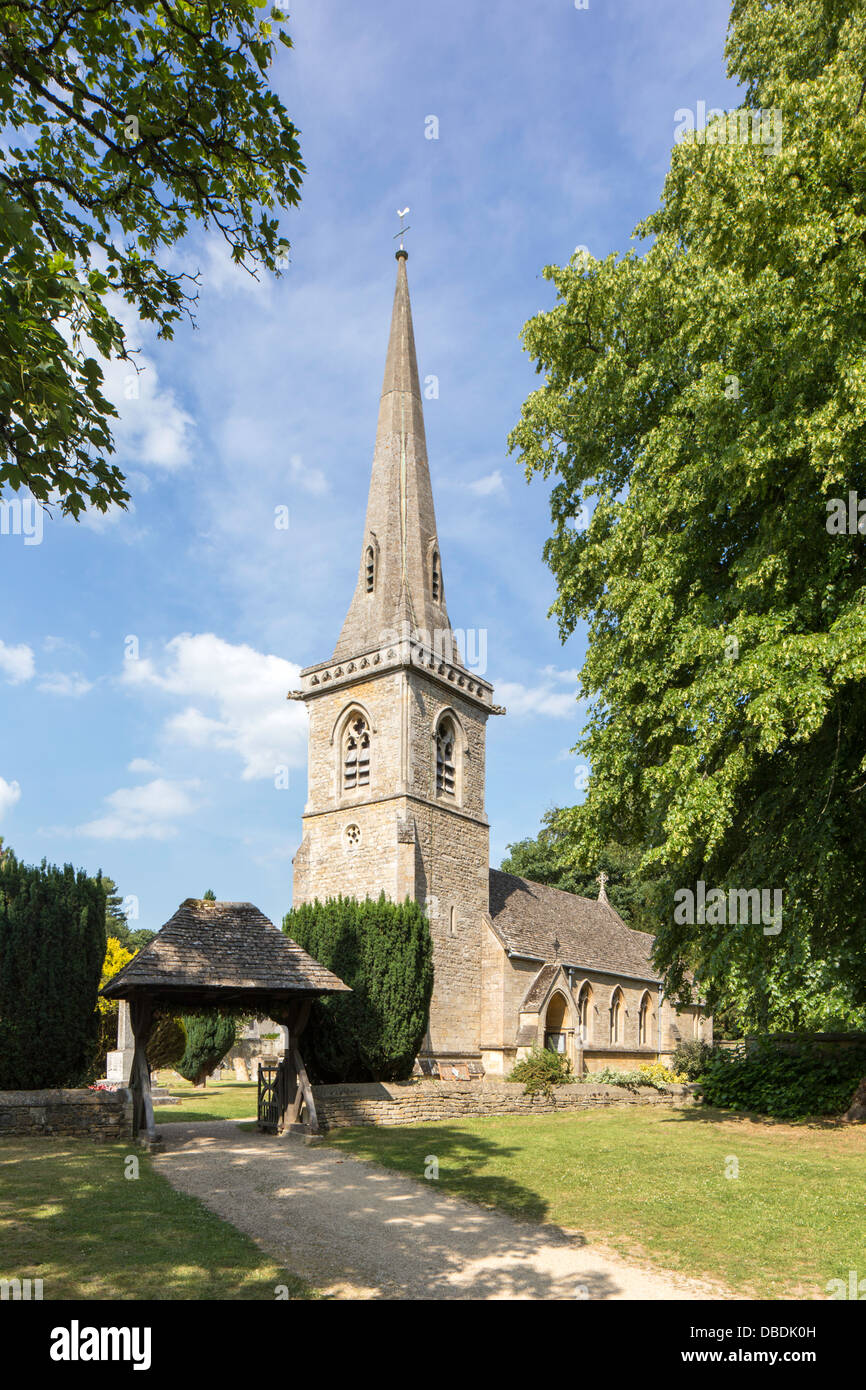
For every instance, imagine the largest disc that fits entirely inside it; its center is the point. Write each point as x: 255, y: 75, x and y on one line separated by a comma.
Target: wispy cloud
x: 71, y: 683
x: 542, y: 698
x: 147, y: 812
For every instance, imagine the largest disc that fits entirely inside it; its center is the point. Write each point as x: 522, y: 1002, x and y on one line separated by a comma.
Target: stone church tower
x: 397, y: 724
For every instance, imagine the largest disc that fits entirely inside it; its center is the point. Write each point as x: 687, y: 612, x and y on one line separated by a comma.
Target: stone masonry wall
x: 85, y: 1113
x: 421, y: 1102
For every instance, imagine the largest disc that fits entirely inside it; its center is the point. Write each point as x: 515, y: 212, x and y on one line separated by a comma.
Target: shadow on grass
x: 84, y: 1219
x: 710, y: 1115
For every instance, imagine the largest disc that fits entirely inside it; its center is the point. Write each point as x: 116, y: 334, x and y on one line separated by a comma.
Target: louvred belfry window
x: 446, y: 779
x: 370, y: 569
x: 435, y: 577
x: 356, y: 755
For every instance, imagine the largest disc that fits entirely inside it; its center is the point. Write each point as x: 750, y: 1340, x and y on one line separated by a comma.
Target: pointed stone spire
x: 400, y: 591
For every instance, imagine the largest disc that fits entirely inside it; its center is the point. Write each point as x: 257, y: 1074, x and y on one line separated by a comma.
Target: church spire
x: 400, y: 587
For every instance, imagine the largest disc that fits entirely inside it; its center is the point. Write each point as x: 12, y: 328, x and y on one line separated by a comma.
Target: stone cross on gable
x: 602, y: 891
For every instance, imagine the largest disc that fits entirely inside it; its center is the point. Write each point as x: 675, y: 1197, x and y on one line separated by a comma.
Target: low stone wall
x: 88, y: 1114
x: 417, y: 1102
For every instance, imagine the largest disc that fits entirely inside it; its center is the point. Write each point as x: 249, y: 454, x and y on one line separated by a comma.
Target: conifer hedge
x: 52, y: 946
x: 383, y: 951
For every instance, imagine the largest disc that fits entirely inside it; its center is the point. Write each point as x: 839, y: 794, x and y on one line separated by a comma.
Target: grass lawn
x: 219, y: 1100
x: 650, y: 1183
x: 70, y: 1217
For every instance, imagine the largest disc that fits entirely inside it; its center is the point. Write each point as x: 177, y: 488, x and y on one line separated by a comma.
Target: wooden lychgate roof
x: 216, y: 952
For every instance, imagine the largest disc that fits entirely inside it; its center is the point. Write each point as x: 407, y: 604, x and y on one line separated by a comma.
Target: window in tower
x: 370, y: 569
x: 435, y: 577
x: 356, y: 754
x: 446, y: 772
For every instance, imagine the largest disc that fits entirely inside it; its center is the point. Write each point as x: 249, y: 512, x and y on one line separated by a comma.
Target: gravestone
x: 118, y: 1064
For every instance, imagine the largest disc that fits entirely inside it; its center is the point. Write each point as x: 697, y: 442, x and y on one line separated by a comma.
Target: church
x: 396, y: 801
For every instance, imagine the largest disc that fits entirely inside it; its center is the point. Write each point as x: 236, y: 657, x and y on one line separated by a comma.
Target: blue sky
x: 145, y: 656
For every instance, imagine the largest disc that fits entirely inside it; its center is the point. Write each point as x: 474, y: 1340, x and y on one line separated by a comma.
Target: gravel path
x: 355, y: 1230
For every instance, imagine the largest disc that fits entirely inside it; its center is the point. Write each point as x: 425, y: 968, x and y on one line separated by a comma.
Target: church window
x: 370, y: 569
x: 644, y: 1020
x: 617, y: 1008
x: 446, y: 774
x: 356, y: 754
x: 435, y: 577
x: 353, y: 836
x: 584, y: 1012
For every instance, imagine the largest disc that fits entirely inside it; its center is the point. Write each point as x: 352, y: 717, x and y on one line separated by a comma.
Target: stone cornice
x: 401, y: 655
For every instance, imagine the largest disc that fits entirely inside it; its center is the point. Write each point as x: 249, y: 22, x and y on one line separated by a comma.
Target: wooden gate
x: 284, y: 1093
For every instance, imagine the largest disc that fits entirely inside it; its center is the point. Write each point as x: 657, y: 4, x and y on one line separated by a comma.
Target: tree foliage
x: 384, y: 952
x: 705, y: 401
x: 52, y: 949
x: 122, y: 123
x: 554, y: 857
x: 209, y: 1036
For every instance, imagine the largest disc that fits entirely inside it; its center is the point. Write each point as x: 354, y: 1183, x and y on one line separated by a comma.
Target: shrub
x: 801, y: 1079
x: 52, y: 947
x: 208, y: 1038
x: 691, y: 1058
x: 383, y: 951
x: 541, y: 1071
x: 658, y: 1071
x: 643, y: 1076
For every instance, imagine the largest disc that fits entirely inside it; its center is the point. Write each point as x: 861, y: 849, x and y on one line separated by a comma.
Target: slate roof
x: 539, y: 987
x: 529, y: 918
x: 221, y: 947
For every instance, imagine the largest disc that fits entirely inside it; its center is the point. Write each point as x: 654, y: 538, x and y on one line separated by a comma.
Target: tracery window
x: 356, y: 754
x: 446, y: 769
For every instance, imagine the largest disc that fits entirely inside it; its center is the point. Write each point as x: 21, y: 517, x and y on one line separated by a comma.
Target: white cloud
x: 10, y: 795
x: 555, y: 674
x: 62, y: 683
x: 16, y: 663
x: 541, y: 699
x: 311, y: 480
x: 239, y: 700
x: 143, y: 765
x: 492, y: 483
x: 147, y: 812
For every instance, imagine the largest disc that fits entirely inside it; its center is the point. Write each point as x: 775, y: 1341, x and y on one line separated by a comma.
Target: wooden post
x: 141, y: 1017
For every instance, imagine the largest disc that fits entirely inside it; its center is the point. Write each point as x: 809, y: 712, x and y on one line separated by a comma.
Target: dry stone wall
x: 67, y: 1113
x: 421, y: 1102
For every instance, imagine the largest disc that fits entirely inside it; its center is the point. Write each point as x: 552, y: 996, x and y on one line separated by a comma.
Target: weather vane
x: 403, y: 228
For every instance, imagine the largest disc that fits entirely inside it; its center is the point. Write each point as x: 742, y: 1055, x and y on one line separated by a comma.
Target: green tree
x: 209, y: 896
x: 384, y: 952
x: 208, y: 1038
x: 704, y: 403
x: 122, y: 124
x: 554, y: 857
x: 52, y: 948
x: 117, y: 922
